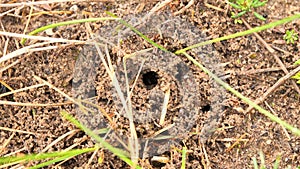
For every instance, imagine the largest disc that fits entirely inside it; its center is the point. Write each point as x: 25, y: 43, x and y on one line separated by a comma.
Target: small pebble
x: 74, y: 8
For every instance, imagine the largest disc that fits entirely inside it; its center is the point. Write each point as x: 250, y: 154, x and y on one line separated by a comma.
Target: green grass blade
x: 297, y: 62
x: 255, y: 165
x: 234, y: 5
x: 120, y: 153
x: 262, y: 159
x: 58, y: 159
x: 238, y: 15
x: 259, y: 4
x: 54, y: 25
x: 42, y: 156
x: 184, y: 149
x: 247, y: 32
x: 259, y: 16
x: 276, y: 164
x: 138, y: 32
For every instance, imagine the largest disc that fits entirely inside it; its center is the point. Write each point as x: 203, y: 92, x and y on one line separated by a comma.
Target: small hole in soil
x: 206, y: 108
x: 157, y: 164
x: 150, y: 79
x: 3, y: 89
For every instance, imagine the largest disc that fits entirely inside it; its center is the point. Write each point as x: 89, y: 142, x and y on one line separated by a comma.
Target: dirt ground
x: 248, y: 67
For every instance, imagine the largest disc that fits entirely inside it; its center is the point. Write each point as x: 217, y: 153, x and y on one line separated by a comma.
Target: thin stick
x: 269, y: 48
x: 281, y: 50
x: 272, y: 51
x: 275, y: 86
x: 272, y: 69
x: 214, y: 7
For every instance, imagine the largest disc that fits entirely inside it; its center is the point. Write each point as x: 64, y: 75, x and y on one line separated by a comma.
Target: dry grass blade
x: 50, y: 13
x: 9, y: 11
x: 26, y: 49
x: 10, y: 65
x: 112, y: 123
x: 207, y: 165
x: 236, y: 142
x: 33, y: 104
x: 42, y: 38
x: 6, y: 85
x: 56, y: 89
x: 87, y: 166
x: 133, y: 139
x: 165, y: 107
x: 160, y: 5
x: 22, y: 89
x: 46, y: 2
x: 232, y: 139
x: 15, y: 152
x: 161, y: 131
x: 28, y: 20
x: 214, y: 7
x: 58, y: 139
x: 15, y: 130
x: 139, y: 71
x: 5, y: 46
x: 70, y: 148
x: 6, y: 142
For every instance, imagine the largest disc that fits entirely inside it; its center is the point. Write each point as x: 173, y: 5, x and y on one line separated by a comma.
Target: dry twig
x: 275, y: 86
x: 278, y: 83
